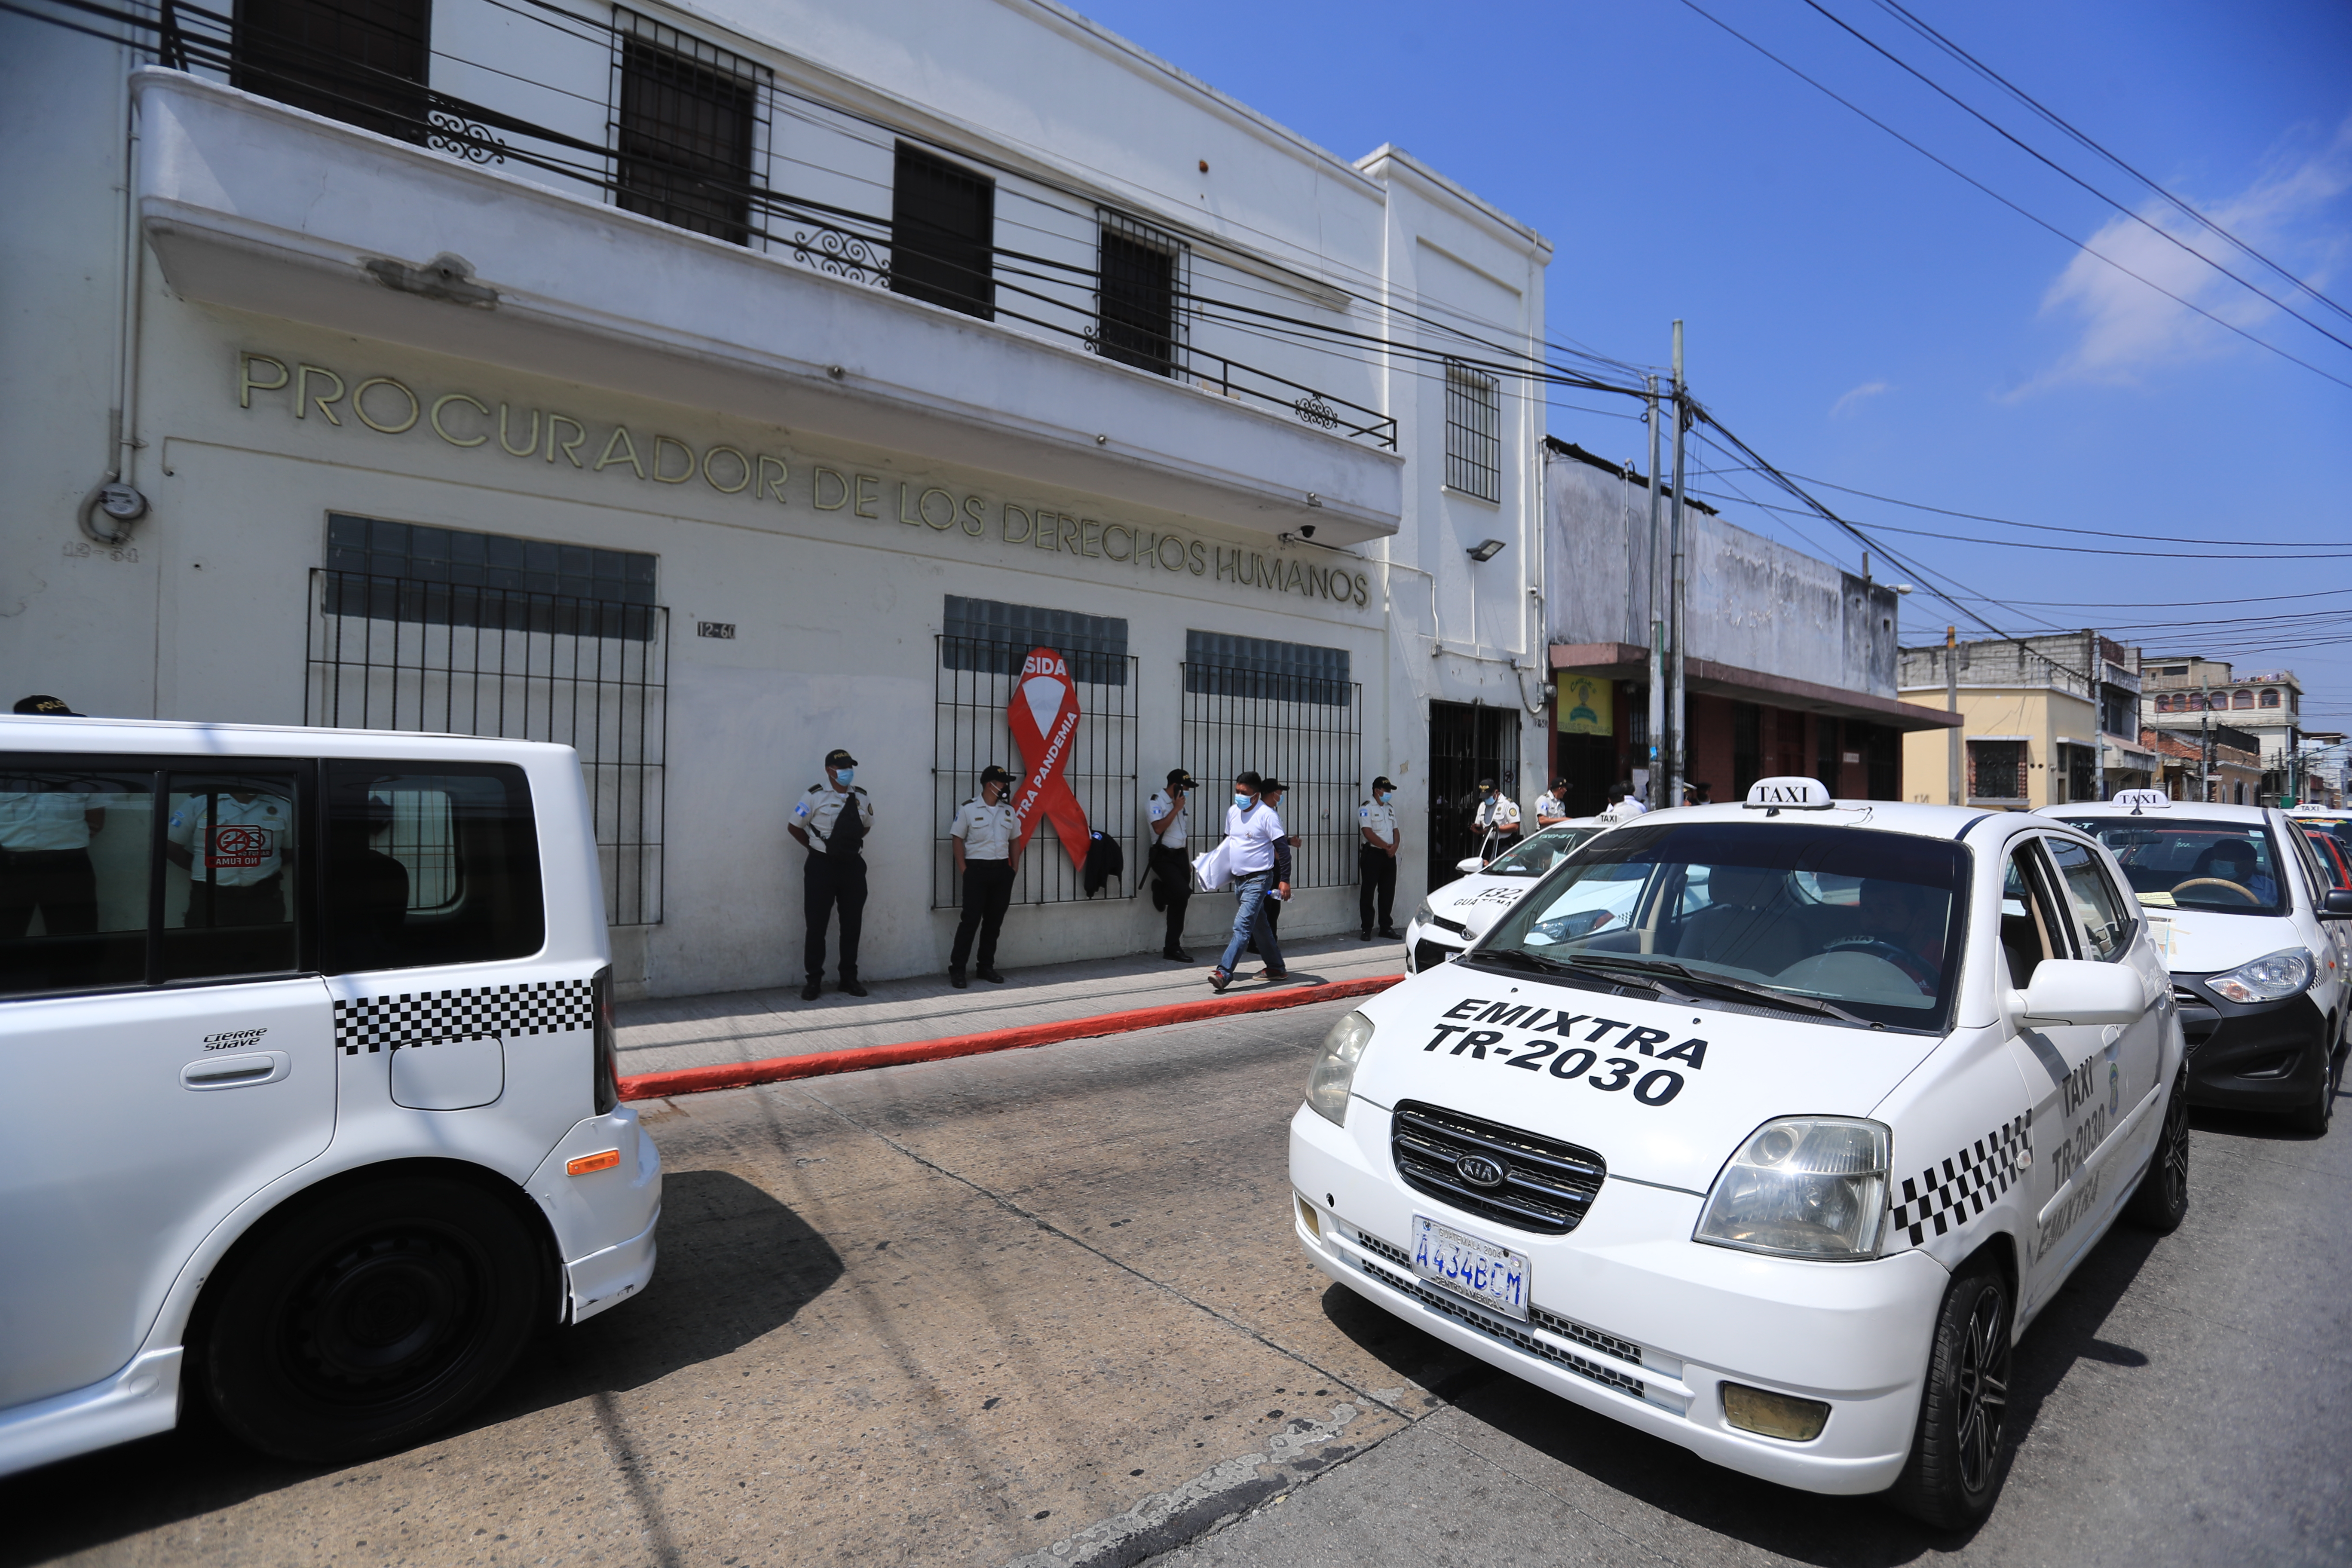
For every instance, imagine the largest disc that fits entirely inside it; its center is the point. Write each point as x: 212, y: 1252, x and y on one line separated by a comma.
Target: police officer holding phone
x: 986, y: 836
x: 831, y: 821
x: 1172, y: 870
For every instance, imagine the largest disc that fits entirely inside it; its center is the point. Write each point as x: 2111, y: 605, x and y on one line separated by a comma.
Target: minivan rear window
x: 429, y: 863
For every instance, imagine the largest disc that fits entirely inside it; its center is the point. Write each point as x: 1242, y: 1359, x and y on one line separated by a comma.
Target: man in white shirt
x: 231, y: 842
x: 44, y: 828
x: 1496, y: 820
x: 1551, y: 806
x: 1169, y: 866
x: 1376, y: 860
x: 1252, y: 830
x: 831, y: 822
x: 985, y: 838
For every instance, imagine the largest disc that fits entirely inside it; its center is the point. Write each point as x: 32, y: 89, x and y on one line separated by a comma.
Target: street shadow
x: 1845, y: 1532
x: 735, y: 1265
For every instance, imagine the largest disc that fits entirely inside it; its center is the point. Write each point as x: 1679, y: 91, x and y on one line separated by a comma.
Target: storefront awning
x: 1630, y: 661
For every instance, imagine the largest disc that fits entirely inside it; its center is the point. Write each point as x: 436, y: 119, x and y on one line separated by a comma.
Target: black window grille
x: 361, y: 61
x: 983, y: 634
x: 942, y: 234
x: 1284, y: 711
x: 1473, y: 432
x: 688, y: 121
x: 429, y: 654
x: 1997, y: 771
x: 1141, y: 281
x: 976, y: 681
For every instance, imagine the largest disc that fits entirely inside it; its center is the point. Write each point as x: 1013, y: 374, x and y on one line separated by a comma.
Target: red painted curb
x: 821, y: 1064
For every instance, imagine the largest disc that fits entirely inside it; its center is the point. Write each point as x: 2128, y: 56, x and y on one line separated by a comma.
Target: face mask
x: 1240, y: 800
x: 1381, y: 795
x: 843, y: 775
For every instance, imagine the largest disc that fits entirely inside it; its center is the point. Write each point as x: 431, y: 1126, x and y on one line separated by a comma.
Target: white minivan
x: 2253, y: 931
x: 308, y: 1040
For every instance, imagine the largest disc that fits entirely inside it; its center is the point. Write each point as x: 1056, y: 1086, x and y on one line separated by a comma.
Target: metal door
x: 1467, y: 742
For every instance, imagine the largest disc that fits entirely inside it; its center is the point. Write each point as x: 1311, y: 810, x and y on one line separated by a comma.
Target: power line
x: 2058, y: 528
x: 2051, y: 164
x: 2017, y: 92
x: 1988, y: 190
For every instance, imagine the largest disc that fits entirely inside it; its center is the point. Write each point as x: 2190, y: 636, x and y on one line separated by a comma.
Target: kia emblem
x: 1480, y: 1171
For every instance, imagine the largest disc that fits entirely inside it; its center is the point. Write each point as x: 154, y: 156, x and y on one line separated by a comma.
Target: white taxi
x: 1458, y: 914
x: 2253, y: 931
x: 1795, y: 1151
x: 310, y: 1040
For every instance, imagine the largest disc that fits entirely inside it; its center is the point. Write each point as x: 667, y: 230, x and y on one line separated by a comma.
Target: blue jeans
x: 1251, y: 891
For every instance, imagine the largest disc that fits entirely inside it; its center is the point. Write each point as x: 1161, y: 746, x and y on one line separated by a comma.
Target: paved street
x: 1043, y: 1306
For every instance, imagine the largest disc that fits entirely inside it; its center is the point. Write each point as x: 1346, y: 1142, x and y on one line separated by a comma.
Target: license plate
x: 1494, y: 1276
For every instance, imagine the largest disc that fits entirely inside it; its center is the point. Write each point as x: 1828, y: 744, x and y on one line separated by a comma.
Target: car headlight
x: 2267, y: 979
x: 1334, y: 1076
x: 1426, y: 913
x: 1802, y: 1186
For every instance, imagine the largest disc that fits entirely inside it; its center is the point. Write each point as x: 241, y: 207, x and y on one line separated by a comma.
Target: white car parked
x: 1458, y: 914
x: 1794, y: 1153
x: 2251, y: 927
x: 309, y: 1033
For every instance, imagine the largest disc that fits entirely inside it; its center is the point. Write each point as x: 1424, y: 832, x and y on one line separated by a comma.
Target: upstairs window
x: 2241, y: 700
x: 1142, y: 279
x: 2269, y: 699
x: 359, y: 61
x: 1473, y: 432
x: 688, y: 118
x: 944, y: 234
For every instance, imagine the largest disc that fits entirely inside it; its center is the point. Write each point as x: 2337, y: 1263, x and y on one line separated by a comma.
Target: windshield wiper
x: 1748, y: 990
x: 1519, y: 958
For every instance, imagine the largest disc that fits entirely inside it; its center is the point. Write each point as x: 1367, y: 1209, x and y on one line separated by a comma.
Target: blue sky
x: 1860, y: 316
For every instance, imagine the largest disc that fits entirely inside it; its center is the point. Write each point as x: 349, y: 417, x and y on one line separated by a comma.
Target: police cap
x: 1383, y: 781
x: 837, y: 758
x: 52, y: 706
x: 994, y: 774
x: 1178, y: 776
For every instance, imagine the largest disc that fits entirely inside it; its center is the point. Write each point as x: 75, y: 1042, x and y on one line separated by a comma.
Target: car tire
x: 1958, y: 1449
x: 2315, y: 1117
x: 2160, y: 1201
x: 369, y: 1319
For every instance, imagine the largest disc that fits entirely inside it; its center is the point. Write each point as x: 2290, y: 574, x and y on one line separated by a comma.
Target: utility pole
x: 2204, y: 737
x: 1675, y: 758
x: 1952, y: 705
x: 1656, y: 782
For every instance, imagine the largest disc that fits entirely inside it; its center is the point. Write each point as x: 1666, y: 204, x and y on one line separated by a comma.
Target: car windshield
x: 2230, y: 868
x: 1538, y: 854
x: 1821, y: 921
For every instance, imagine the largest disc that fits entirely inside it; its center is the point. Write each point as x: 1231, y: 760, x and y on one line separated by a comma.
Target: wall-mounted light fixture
x: 1486, y: 550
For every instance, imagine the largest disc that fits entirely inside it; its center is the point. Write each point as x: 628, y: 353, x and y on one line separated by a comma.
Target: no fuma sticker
x: 237, y: 845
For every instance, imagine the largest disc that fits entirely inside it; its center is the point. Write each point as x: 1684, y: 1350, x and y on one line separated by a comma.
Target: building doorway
x: 1467, y: 741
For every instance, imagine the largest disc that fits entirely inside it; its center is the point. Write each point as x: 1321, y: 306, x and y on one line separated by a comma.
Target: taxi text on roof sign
x: 2141, y: 800
x: 1791, y: 794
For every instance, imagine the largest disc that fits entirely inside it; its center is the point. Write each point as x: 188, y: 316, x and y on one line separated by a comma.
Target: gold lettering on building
x: 816, y: 491
x: 442, y: 430
x: 246, y: 387
x: 569, y: 448
x: 662, y: 442
x: 303, y: 396
x: 742, y: 465
x: 359, y: 406
x: 528, y: 446
x: 867, y: 499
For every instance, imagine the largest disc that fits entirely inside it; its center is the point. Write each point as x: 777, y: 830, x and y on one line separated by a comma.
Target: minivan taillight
x: 607, y: 1087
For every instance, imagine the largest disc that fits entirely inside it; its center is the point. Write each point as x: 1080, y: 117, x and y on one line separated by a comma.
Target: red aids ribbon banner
x: 1044, y: 718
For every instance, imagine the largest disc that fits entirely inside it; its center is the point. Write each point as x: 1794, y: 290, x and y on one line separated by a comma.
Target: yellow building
x: 2045, y: 721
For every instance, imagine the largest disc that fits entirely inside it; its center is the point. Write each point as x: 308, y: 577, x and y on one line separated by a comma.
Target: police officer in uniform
x: 1551, y: 806
x: 244, y: 886
x: 986, y: 836
x: 831, y: 821
x: 1376, y: 860
x: 1496, y: 820
x: 1171, y: 868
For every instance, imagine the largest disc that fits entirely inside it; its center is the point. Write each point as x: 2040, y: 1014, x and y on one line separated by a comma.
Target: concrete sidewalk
x: 667, y: 1033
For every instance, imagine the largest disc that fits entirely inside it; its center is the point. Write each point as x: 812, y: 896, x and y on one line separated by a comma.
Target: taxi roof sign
x: 2141, y: 800
x: 1789, y: 794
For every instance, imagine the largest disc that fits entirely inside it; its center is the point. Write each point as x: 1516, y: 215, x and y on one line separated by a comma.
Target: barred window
x: 1143, y: 277
x: 689, y: 115
x: 359, y: 61
x: 978, y: 680
x: 944, y: 234
x: 979, y: 632
x: 1473, y: 432
x: 451, y: 632
x: 1996, y: 771
x: 1287, y: 711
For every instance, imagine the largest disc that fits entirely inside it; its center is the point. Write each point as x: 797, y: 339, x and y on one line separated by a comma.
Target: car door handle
x: 239, y: 1070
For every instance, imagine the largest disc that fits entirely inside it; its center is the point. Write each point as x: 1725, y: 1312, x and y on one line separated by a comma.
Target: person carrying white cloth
x: 1252, y: 830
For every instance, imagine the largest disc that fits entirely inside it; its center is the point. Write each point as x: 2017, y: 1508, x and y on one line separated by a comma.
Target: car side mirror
x: 2336, y: 906
x: 2077, y: 991
x: 1470, y: 866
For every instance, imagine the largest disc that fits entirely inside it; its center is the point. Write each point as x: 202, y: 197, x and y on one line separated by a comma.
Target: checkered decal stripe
x: 388, y: 1022
x: 1949, y: 1194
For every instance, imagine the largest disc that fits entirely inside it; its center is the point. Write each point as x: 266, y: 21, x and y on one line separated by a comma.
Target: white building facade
x: 708, y: 388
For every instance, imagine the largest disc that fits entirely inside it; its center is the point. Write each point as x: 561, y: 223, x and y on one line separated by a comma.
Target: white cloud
x: 1847, y: 403
x: 2128, y: 330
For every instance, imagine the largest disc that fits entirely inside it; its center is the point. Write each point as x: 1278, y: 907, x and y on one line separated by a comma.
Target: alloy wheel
x: 1981, y: 1389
